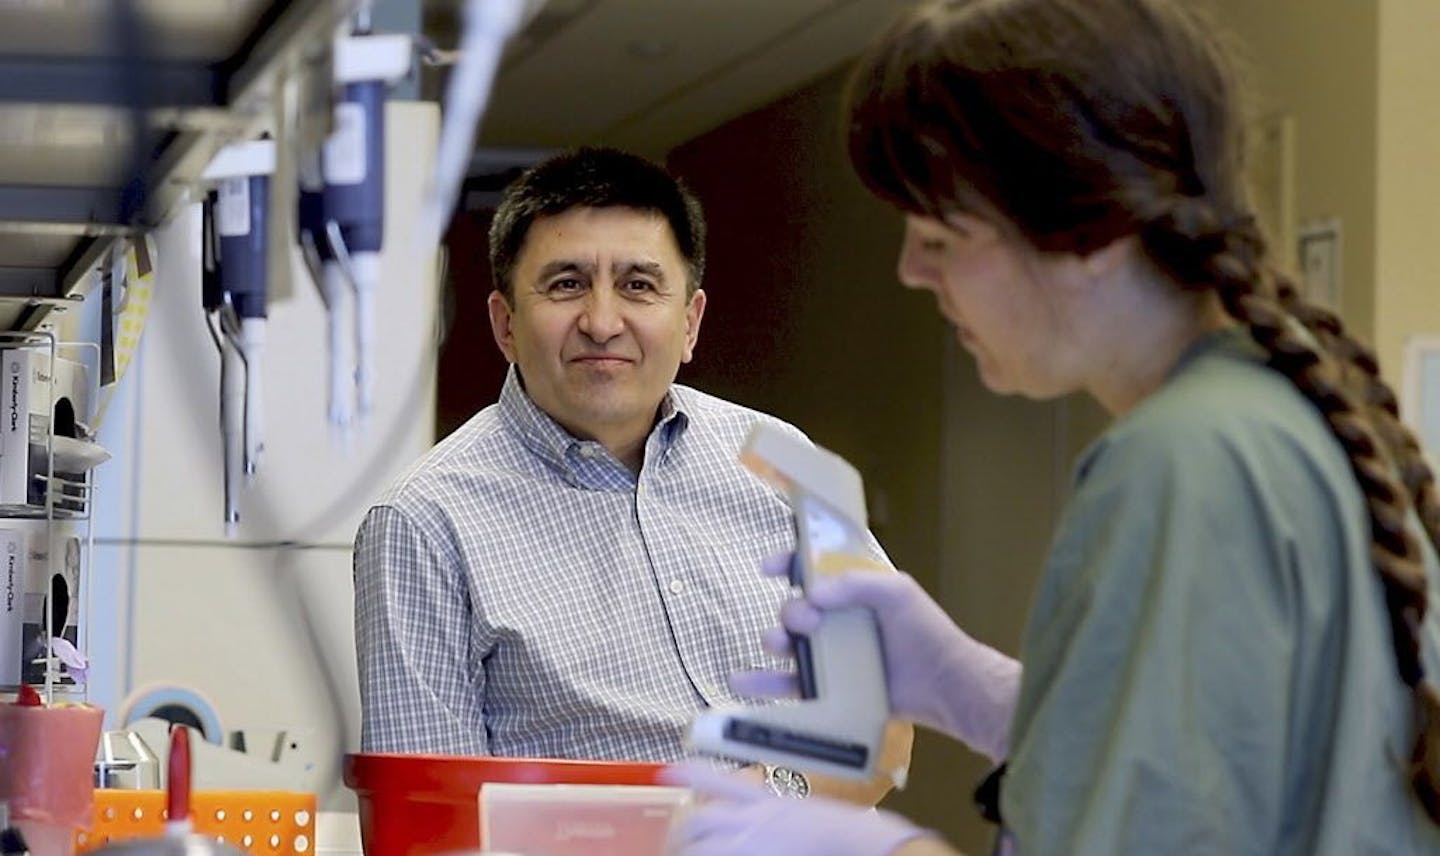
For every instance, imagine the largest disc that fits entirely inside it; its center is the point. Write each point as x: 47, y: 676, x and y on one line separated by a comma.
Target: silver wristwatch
x: 788, y: 783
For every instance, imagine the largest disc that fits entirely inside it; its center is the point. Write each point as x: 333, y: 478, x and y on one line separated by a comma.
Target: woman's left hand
x: 734, y: 816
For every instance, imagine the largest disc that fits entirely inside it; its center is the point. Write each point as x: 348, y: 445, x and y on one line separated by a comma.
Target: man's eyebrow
x: 647, y: 267
x: 559, y: 266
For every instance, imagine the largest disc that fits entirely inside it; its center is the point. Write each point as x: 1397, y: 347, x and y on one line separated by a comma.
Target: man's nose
x: 602, y: 319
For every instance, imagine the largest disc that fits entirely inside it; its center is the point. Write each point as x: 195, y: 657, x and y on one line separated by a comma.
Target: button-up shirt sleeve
x: 422, y: 688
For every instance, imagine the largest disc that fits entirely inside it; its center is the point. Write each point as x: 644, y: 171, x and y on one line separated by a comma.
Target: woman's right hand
x: 936, y: 674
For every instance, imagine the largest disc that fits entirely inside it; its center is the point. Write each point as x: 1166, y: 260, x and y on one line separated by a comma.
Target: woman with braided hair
x: 1235, y: 643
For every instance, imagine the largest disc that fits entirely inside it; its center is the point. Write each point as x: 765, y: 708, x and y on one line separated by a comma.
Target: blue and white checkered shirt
x: 522, y: 593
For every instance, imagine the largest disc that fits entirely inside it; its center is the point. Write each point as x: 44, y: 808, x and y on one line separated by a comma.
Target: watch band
x: 787, y: 783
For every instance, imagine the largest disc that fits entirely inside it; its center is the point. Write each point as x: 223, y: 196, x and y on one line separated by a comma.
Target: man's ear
x: 693, y: 313
x: 501, y: 314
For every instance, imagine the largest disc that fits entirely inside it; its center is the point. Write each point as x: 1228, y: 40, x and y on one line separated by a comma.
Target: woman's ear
x: 1112, y: 258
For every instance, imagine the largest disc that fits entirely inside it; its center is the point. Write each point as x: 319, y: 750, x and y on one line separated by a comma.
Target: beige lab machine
x: 838, y: 725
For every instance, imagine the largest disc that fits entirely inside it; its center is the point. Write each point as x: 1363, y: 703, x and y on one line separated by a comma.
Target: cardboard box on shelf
x: 54, y: 588
x: 27, y: 418
x: 49, y: 576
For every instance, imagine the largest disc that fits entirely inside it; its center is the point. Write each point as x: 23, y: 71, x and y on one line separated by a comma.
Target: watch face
x: 786, y: 782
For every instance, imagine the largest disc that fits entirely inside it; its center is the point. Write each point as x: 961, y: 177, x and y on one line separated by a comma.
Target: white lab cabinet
x: 258, y: 625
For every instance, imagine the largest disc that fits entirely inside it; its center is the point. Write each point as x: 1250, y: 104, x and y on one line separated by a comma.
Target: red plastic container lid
x: 463, y: 775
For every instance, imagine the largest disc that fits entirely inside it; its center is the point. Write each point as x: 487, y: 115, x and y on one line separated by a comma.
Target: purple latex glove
x: 739, y: 817
x: 938, y: 676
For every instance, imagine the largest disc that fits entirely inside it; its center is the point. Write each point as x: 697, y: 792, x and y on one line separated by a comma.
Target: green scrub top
x: 1208, y: 664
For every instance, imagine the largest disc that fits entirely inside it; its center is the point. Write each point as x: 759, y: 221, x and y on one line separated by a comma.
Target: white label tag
x: 344, y: 161
x: 12, y: 599
x: 232, y: 213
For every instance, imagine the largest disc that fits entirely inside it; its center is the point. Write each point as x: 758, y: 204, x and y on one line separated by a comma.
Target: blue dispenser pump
x: 342, y: 184
x: 234, y: 293
x: 241, y: 217
x: 218, y: 314
x: 353, y: 167
x: 334, y: 289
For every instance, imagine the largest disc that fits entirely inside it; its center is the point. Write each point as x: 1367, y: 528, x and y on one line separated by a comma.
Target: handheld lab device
x: 838, y: 725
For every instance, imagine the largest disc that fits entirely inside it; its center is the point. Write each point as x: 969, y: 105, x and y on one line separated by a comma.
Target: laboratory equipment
x: 426, y: 804
x: 235, y: 259
x: 489, y: 24
x: 180, y: 838
x: 124, y: 760
x: 340, y: 217
x: 219, y: 318
x: 838, y: 725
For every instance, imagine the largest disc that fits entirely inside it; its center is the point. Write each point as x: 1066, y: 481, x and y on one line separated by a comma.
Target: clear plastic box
x: 578, y: 820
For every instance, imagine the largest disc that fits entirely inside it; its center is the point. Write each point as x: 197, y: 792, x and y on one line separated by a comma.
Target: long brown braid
x: 1079, y: 122
x: 1341, y: 378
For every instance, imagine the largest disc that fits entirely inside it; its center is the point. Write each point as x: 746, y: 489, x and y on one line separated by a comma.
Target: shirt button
x: 676, y: 586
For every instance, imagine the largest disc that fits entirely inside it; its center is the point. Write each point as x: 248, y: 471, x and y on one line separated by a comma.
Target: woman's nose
x: 911, y: 269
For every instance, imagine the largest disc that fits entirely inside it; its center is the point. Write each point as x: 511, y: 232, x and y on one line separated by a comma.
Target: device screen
x: 830, y: 540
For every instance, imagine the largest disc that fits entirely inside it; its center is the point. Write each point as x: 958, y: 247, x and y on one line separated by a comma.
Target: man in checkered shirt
x: 574, y: 572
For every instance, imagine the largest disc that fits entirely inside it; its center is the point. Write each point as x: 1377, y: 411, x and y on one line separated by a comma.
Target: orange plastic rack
x: 259, y: 822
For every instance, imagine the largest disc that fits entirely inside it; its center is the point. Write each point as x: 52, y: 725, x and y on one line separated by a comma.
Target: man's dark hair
x: 594, y: 178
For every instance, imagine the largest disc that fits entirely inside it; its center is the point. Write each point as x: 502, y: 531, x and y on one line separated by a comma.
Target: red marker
x: 177, y: 801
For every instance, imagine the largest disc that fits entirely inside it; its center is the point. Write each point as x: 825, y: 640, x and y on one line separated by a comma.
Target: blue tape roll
x: 146, y: 701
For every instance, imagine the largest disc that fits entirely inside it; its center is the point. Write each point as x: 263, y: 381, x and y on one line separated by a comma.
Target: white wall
x: 1407, y: 270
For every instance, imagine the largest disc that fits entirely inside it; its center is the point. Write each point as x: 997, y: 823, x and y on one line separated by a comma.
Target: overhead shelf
x: 82, y: 81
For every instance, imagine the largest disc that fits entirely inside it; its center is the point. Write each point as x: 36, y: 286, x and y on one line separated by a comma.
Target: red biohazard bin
x: 422, y: 804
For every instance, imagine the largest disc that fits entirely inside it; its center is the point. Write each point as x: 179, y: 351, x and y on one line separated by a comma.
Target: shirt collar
x: 584, y: 462
x: 1234, y: 338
